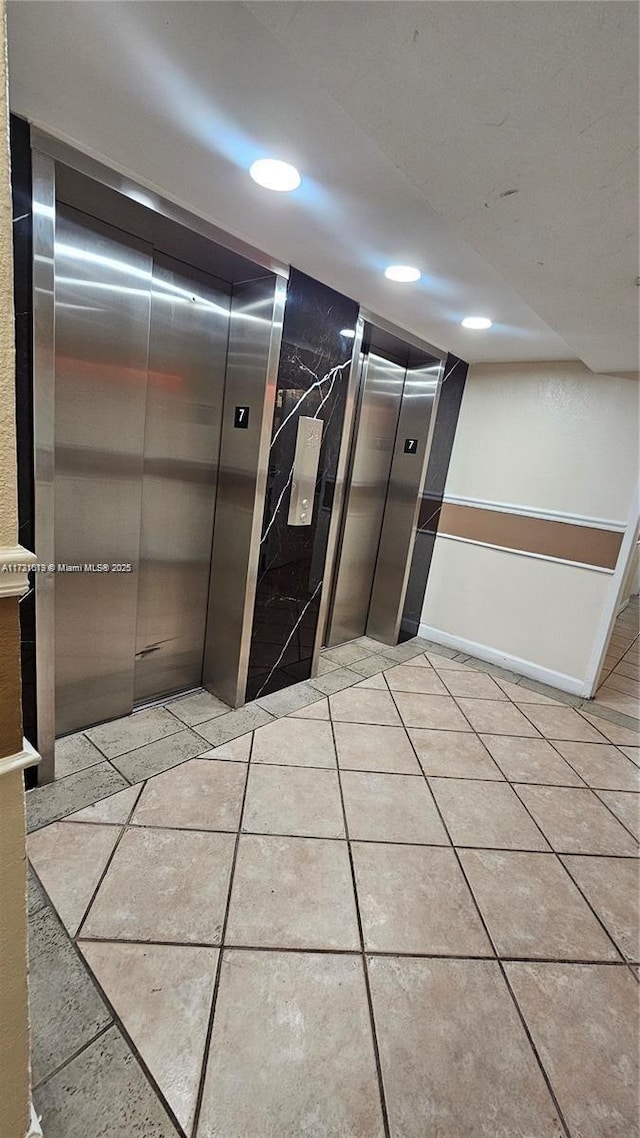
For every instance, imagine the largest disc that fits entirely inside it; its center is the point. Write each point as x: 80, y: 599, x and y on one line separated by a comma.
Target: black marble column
x: 455, y: 374
x: 22, y: 291
x: 312, y: 381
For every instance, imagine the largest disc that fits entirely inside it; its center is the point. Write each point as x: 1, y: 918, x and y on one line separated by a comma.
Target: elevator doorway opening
x: 396, y: 403
x: 156, y: 332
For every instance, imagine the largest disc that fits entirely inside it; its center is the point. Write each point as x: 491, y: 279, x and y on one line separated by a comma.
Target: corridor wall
x: 536, y: 520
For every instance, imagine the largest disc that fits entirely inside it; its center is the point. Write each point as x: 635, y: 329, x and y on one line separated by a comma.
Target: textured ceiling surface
x: 494, y: 145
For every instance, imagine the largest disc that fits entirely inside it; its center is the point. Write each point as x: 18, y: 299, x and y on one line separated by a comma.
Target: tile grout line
x: 79, y: 1050
x: 497, y: 958
x: 115, y: 1021
x: 587, y: 785
x: 378, y: 841
x: 353, y: 684
x: 125, y: 826
x: 509, y: 958
x: 363, y: 955
x: 217, y: 979
x: 559, y: 859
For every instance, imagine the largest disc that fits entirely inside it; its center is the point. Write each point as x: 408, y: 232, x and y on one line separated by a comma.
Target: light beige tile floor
x: 407, y: 909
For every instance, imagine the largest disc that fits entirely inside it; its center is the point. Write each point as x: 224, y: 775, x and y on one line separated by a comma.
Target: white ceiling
x: 412, y: 124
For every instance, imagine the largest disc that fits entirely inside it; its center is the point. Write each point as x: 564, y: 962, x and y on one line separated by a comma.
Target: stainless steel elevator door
x: 381, y: 396
x: 187, y: 355
x: 102, y: 294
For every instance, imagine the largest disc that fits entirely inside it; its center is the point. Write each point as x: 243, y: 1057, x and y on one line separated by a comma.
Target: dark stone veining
x: 312, y: 381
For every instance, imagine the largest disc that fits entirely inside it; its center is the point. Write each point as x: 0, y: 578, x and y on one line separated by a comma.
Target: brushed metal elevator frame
x: 387, y: 629
x: 46, y: 152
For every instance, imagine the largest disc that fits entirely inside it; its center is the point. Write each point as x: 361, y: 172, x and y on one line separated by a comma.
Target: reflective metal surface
x: 375, y: 433
x: 61, y: 152
x: 328, y: 582
x: 44, y: 200
x: 102, y: 286
x: 109, y: 337
x: 187, y: 356
x: 406, y: 478
x: 255, y: 333
x: 305, y: 471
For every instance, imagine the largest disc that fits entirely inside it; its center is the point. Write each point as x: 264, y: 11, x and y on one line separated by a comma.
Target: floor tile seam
x: 388, y: 842
x: 447, y: 831
x: 167, y: 735
x: 481, y: 741
x: 565, y: 871
x: 104, y: 797
x: 492, y: 943
x: 595, y: 710
x: 590, y: 785
x: 212, y: 746
x: 529, y: 1035
x: 356, y: 953
x: 75, y: 1055
x: 378, y: 841
x: 594, y: 911
x: 599, y: 706
x: 450, y: 694
x: 89, y: 766
x: 118, y: 1023
x: 365, y: 971
x: 614, y: 674
x: 548, y: 738
x: 587, y: 786
x: 599, y: 790
x: 218, y: 972
x: 115, y: 1020
x: 516, y: 787
x: 123, y: 831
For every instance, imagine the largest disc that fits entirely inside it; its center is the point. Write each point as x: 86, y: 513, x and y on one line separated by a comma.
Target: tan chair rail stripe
x: 586, y: 545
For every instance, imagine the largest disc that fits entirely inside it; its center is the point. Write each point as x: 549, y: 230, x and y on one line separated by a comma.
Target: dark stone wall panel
x: 312, y: 381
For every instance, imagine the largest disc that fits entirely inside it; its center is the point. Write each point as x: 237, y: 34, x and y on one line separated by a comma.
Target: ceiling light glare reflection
x: 348, y: 333
x: 405, y: 274
x: 478, y: 323
x: 275, y: 175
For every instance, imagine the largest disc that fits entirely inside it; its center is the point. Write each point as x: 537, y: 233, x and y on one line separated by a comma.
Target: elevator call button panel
x: 305, y: 471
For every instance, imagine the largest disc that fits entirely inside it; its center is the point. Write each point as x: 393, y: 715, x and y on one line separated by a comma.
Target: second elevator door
x: 380, y: 399
x: 140, y: 359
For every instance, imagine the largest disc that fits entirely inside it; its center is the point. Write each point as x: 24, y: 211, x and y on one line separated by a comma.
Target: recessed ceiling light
x: 403, y: 273
x: 480, y: 323
x: 348, y: 333
x: 275, y: 175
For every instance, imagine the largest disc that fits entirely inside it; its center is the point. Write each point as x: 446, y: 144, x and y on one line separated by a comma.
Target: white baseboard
x: 570, y: 684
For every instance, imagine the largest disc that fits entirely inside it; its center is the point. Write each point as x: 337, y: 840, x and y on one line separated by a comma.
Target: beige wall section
x: 10, y: 713
x: 544, y: 437
x: 14, y: 1022
x: 551, y: 436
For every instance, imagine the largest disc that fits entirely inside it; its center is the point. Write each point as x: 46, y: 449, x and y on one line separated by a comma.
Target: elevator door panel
x: 187, y: 354
x: 102, y: 290
x: 373, y: 451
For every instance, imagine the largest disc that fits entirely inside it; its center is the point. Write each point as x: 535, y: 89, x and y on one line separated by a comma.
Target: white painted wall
x: 548, y: 437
